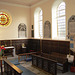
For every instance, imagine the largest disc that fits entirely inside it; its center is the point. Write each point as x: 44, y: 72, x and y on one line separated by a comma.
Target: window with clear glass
x: 61, y: 20
x: 38, y: 23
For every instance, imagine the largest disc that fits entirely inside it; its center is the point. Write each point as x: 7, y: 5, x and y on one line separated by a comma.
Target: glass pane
x: 40, y: 17
x: 40, y: 12
x: 40, y: 22
x: 61, y: 20
x: 61, y: 6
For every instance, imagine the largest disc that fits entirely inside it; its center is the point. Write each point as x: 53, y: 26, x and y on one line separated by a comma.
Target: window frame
x: 41, y: 25
x: 59, y: 17
x: 37, y: 18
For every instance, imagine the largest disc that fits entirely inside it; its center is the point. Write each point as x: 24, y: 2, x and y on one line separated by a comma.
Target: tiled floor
x: 38, y: 71
x: 35, y: 70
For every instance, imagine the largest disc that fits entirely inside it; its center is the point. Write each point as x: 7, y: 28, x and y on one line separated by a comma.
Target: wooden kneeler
x: 72, y: 69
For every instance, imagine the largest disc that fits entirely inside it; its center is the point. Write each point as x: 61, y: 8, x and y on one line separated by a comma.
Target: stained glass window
x: 4, y: 19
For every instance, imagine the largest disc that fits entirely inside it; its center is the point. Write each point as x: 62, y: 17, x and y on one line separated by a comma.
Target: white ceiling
x: 23, y: 2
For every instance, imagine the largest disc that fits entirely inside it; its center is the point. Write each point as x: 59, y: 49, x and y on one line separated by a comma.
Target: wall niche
x: 47, y: 29
x: 22, y: 30
x: 71, y: 25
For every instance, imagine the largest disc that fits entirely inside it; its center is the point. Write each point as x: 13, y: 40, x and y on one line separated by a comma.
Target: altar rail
x: 11, y: 69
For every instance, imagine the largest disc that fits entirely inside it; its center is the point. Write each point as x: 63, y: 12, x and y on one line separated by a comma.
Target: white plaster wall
x: 19, y: 15
x: 26, y: 15
x: 47, y: 11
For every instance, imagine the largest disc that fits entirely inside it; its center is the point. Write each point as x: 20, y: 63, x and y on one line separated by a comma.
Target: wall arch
x: 54, y: 22
x: 36, y: 22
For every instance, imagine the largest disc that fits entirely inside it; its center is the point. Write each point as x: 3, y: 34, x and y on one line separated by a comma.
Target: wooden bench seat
x: 61, y: 59
x: 44, y: 63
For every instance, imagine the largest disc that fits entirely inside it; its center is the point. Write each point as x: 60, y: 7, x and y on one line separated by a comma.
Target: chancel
x: 37, y: 37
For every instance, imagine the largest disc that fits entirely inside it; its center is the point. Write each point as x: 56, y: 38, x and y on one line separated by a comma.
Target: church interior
x: 37, y: 37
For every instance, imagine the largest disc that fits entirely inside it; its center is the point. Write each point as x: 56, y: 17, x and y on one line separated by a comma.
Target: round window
x: 4, y: 19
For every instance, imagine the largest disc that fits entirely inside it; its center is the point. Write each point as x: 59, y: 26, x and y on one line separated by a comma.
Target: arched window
x: 61, y: 20
x: 38, y: 23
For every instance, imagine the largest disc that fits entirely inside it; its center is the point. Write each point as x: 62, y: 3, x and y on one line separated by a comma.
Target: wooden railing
x: 27, y: 54
x: 11, y: 69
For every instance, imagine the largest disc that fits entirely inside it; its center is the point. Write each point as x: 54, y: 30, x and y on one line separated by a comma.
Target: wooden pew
x: 61, y: 59
x: 44, y: 63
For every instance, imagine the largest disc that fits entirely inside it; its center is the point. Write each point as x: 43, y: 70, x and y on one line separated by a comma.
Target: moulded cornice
x: 12, y: 4
x: 39, y: 3
x: 25, y: 6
